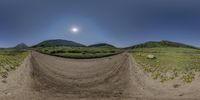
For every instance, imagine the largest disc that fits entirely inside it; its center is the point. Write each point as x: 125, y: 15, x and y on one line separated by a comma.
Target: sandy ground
x: 118, y: 77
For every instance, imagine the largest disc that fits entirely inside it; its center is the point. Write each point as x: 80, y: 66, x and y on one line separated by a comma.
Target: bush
x: 52, y: 52
x: 74, y: 51
x: 4, y: 74
x: 60, y: 51
x: 112, y: 51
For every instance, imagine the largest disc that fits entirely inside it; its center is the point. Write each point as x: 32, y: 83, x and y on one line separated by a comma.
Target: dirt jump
x: 116, y: 77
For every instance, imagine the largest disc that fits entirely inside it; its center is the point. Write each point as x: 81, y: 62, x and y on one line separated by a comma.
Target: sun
x: 74, y: 30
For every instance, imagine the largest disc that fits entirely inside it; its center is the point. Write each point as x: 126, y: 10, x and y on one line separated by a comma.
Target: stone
x: 151, y: 56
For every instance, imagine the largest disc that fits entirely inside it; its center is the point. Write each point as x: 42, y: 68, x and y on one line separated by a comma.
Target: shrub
x: 74, y: 51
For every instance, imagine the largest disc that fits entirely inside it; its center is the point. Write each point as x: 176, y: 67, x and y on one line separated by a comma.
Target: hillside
x: 21, y: 46
x: 58, y: 42
x: 102, y: 45
x: 163, y: 43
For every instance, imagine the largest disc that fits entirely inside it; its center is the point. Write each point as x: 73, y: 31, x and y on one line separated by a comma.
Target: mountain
x: 102, y: 45
x: 58, y: 42
x: 163, y: 43
x: 21, y: 46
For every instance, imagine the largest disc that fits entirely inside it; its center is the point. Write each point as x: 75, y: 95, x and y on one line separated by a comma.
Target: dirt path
x: 118, y: 77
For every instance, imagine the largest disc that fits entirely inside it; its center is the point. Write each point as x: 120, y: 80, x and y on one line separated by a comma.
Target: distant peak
x: 58, y: 42
x: 21, y: 46
x: 102, y: 45
x: 163, y: 43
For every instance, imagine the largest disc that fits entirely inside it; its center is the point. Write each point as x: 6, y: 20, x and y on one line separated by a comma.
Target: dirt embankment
x: 117, y: 77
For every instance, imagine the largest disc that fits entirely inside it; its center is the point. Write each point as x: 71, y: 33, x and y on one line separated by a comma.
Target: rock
x: 150, y: 56
x: 176, y: 85
x: 8, y: 94
x: 3, y: 80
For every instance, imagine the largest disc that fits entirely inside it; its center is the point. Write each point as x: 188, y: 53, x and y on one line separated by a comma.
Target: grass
x: 170, y: 63
x: 79, y: 52
x: 10, y: 59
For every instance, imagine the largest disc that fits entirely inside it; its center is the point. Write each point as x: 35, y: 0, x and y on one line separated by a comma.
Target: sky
x: 119, y: 22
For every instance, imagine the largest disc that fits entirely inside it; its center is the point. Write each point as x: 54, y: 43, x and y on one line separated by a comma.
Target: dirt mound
x: 118, y: 77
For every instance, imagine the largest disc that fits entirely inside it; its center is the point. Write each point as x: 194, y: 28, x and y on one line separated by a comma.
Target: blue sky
x: 119, y: 22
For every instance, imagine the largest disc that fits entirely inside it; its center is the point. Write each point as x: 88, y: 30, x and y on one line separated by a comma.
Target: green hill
x: 102, y: 45
x: 163, y: 43
x: 21, y: 46
x: 58, y: 42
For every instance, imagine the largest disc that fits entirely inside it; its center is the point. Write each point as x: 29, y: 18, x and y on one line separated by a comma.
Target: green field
x: 170, y: 63
x: 10, y: 59
x: 79, y: 52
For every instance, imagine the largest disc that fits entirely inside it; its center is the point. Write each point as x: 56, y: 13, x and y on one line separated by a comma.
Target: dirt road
x: 118, y: 77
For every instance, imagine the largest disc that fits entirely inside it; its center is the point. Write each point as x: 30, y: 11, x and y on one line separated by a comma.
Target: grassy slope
x: 9, y: 60
x: 102, y: 45
x: 164, y: 43
x: 58, y: 42
x: 170, y: 62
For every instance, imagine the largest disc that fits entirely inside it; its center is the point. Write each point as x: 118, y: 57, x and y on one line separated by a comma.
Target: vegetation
x: 164, y: 43
x: 170, y: 59
x: 79, y: 52
x: 170, y: 63
x: 102, y: 45
x: 9, y: 60
x: 57, y: 43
